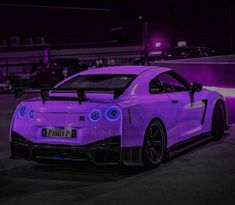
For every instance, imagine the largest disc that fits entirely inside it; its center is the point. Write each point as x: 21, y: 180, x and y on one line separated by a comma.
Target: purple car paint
x: 106, y: 129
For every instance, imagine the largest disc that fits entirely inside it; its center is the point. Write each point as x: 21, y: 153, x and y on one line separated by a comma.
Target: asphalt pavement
x: 204, y: 175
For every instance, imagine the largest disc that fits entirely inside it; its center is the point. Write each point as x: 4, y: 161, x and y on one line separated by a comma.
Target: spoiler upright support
x: 44, y: 95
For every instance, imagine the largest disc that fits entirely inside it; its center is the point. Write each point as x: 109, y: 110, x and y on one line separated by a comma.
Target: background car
x: 5, y: 84
x: 131, y: 115
x: 5, y: 87
x: 186, y: 52
x: 56, y: 70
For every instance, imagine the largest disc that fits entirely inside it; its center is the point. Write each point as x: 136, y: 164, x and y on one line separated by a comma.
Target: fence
x: 22, y: 60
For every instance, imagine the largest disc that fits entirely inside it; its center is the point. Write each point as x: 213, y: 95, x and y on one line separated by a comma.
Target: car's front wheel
x: 218, y: 121
x: 154, y: 147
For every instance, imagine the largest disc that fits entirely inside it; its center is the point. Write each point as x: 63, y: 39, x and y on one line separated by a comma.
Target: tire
x: 218, y: 121
x: 154, y: 147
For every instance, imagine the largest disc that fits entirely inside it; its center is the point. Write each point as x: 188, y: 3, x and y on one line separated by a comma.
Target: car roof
x: 122, y: 70
x: 128, y: 70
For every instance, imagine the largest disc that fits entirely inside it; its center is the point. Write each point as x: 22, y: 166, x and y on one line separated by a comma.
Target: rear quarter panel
x: 139, y: 112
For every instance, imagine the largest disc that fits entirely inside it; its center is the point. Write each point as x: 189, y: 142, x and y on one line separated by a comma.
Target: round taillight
x: 95, y: 115
x: 113, y: 113
x: 31, y: 114
x: 22, y: 111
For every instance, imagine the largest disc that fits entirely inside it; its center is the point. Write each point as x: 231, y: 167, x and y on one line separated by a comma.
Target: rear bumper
x: 105, y: 152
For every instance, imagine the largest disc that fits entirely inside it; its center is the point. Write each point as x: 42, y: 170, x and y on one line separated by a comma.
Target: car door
x: 190, y: 107
x: 165, y: 110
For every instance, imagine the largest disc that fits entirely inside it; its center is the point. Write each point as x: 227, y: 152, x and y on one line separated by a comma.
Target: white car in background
x: 5, y: 87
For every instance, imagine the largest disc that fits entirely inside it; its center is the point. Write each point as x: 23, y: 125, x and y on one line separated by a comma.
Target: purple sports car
x: 129, y: 115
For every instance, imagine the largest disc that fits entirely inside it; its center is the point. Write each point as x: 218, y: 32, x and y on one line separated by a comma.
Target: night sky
x: 130, y: 10
x: 199, y: 22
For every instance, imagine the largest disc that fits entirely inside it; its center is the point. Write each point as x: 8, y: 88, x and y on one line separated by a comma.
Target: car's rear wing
x: 81, y: 96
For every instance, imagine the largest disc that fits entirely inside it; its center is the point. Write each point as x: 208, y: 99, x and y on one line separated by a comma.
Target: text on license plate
x: 59, y: 133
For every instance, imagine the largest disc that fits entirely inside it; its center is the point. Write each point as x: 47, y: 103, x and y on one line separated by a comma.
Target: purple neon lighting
x: 158, y: 44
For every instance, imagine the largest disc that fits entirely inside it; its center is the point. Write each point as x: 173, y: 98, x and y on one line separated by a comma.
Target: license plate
x: 59, y: 133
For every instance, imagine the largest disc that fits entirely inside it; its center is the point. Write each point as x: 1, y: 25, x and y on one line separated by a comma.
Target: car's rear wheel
x: 154, y: 147
x: 218, y: 121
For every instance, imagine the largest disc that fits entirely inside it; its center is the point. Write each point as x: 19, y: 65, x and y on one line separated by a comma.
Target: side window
x: 155, y: 86
x: 172, y: 83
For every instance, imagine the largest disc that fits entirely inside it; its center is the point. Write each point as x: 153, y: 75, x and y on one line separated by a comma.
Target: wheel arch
x: 224, y: 109
x: 225, y: 112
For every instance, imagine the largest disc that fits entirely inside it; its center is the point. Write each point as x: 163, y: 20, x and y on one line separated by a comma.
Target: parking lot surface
x: 204, y: 175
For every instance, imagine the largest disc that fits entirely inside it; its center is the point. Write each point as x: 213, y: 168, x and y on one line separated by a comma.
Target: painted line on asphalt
x: 195, y: 62
x: 226, y: 92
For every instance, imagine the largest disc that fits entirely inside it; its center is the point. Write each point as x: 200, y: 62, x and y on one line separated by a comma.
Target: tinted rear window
x: 99, y: 81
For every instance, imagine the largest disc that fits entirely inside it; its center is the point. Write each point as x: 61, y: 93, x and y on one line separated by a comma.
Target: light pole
x: 196, y: 23
x: 230, y: 16
x: 146, y: 42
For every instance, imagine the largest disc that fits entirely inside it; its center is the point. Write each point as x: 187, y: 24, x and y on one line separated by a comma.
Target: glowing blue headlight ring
x: 107, y: 113
x: 22, y: 111
x: 31, y: 114
x: 95, y: 115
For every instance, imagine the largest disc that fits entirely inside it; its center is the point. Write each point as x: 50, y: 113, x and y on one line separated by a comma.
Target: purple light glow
x: 158, y: 44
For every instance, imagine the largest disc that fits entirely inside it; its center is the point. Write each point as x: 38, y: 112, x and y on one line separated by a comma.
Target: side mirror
x: 196, y: 87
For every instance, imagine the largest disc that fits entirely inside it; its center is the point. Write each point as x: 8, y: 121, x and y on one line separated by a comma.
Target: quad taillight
x: 112, y: 113
x: 23, y: 112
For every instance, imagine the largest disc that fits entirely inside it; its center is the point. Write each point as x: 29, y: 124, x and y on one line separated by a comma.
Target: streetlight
x: 146, y: 42
x: 145, y: 39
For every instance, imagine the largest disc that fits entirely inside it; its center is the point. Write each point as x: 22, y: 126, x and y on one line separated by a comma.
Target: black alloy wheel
x: 218, y: 121
x: 154, y: 145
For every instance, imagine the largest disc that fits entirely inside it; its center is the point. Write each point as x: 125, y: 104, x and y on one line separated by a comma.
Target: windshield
x: 99, y: 81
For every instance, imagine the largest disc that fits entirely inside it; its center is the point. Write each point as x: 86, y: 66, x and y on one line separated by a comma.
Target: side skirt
x: 185, y: 145
x: 132, y: 156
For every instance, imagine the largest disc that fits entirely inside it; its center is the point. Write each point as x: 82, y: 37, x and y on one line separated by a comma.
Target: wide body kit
x: 105, y: 129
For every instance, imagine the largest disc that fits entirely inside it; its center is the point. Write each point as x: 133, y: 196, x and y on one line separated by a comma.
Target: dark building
x: 27, y: 25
